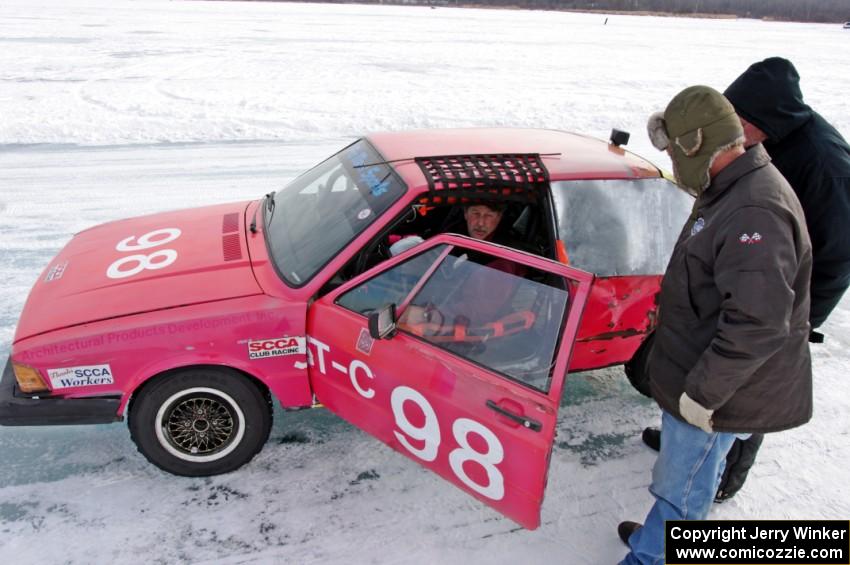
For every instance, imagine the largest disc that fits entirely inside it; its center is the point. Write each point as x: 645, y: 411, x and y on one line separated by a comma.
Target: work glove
x: 695, y: 413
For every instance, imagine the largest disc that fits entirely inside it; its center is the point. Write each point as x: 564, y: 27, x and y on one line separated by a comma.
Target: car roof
x: 567, y: 156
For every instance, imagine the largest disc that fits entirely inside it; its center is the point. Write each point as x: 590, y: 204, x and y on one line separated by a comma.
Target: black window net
x: 454, y: 179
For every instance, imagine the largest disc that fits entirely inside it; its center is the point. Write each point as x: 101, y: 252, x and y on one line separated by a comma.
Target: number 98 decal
x: 130, y: 265
x: 429, y: 435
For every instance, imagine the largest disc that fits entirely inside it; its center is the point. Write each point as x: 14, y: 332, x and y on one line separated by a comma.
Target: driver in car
x: 482, y: 220
x: 483, y: 295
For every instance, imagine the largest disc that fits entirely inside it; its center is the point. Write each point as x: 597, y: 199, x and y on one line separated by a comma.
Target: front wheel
x: 200, y: 422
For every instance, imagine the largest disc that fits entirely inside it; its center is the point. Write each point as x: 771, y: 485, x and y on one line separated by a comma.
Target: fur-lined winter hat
x: 698, y: 124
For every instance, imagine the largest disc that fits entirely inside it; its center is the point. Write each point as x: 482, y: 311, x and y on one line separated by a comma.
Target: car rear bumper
x: 19, y: 409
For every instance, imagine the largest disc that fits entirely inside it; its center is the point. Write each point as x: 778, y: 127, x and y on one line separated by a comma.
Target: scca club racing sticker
x: 276, y: 347
x: 88, y: 375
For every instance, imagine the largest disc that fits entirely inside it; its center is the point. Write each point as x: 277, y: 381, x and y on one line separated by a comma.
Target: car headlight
x: 29, y: 379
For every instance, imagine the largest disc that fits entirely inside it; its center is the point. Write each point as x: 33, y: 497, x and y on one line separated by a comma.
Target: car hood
x: 140, y: 265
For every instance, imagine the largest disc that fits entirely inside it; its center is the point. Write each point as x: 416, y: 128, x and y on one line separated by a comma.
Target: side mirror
x: 382, y: 323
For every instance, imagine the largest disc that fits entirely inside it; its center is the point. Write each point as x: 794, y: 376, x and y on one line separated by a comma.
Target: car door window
x: 499, y: 314
x: 390, y: 287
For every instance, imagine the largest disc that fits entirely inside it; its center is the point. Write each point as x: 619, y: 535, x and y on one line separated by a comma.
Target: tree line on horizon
x: 790, y: 10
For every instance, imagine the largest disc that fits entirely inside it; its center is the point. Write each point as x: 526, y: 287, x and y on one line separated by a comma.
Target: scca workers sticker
x: 88, y: 375
x: 276, y: 347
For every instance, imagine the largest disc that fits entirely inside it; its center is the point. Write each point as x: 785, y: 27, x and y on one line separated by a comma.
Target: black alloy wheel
x: 200, y: 422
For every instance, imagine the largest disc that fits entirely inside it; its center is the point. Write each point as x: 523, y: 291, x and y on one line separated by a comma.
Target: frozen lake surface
x: 115, y: 109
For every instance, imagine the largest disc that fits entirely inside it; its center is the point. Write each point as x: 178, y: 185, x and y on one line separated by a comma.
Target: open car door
x: 470, y: 382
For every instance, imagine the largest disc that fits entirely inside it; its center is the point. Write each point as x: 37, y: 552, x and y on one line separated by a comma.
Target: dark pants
x: 739, y: 461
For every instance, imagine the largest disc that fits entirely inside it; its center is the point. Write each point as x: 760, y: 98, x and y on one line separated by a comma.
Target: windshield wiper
x: 270, y: 196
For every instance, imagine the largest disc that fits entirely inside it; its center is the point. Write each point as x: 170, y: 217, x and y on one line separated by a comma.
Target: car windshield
x: 620, y: 227
x: 324, y: 209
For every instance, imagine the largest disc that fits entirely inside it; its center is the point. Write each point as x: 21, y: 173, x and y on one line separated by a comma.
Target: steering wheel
x: 423, y: 321
x: 327, y: 187
x: 371, y: 256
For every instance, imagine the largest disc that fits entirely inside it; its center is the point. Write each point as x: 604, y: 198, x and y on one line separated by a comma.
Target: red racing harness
x: 513, y: 323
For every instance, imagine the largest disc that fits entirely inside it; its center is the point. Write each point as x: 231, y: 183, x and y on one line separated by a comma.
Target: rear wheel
x: 637, y: 368
x: 200, y: 422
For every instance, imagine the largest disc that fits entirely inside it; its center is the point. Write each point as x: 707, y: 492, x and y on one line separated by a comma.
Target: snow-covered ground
x: 110, y: 109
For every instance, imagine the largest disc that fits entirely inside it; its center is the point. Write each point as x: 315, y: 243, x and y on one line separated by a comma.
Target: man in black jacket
x: 815, y: 159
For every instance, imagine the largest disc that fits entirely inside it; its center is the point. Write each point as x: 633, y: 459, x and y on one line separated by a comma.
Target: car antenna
x: 431, y: 157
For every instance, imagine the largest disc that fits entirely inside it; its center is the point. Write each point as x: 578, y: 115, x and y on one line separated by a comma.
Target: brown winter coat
x: 734, y: 304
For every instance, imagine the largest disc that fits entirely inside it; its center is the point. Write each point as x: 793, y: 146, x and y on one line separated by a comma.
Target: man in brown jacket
x: 731, y: 355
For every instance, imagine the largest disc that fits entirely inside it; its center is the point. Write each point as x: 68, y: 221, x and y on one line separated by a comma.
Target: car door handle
x: 532, y: 425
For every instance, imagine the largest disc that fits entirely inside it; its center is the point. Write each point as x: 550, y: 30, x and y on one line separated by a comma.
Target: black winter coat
x: 815, y: 159
x: 734, y: 304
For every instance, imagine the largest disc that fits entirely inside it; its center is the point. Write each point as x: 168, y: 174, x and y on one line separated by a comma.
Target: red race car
x: 453, y: 351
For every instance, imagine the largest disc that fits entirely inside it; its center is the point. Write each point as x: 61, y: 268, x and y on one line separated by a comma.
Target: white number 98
x: 156, y: 260
x: 429, y: 434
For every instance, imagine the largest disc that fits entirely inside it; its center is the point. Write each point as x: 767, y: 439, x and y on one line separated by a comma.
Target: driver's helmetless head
x: 482, y: 220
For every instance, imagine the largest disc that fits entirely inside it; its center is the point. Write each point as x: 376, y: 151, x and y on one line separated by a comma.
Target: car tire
x: 637, y: 369
x: 200, y: 422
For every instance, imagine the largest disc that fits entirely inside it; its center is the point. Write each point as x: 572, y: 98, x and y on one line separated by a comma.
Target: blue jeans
x: 684, y: 480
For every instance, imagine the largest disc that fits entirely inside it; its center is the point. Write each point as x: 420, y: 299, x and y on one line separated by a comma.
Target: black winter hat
x: 768, y: 96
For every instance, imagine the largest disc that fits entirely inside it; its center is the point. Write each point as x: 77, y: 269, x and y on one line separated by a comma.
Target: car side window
x: 390, y: 287
x: 492, y: 311
x: 522, y: 227
x: 620, y: 227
